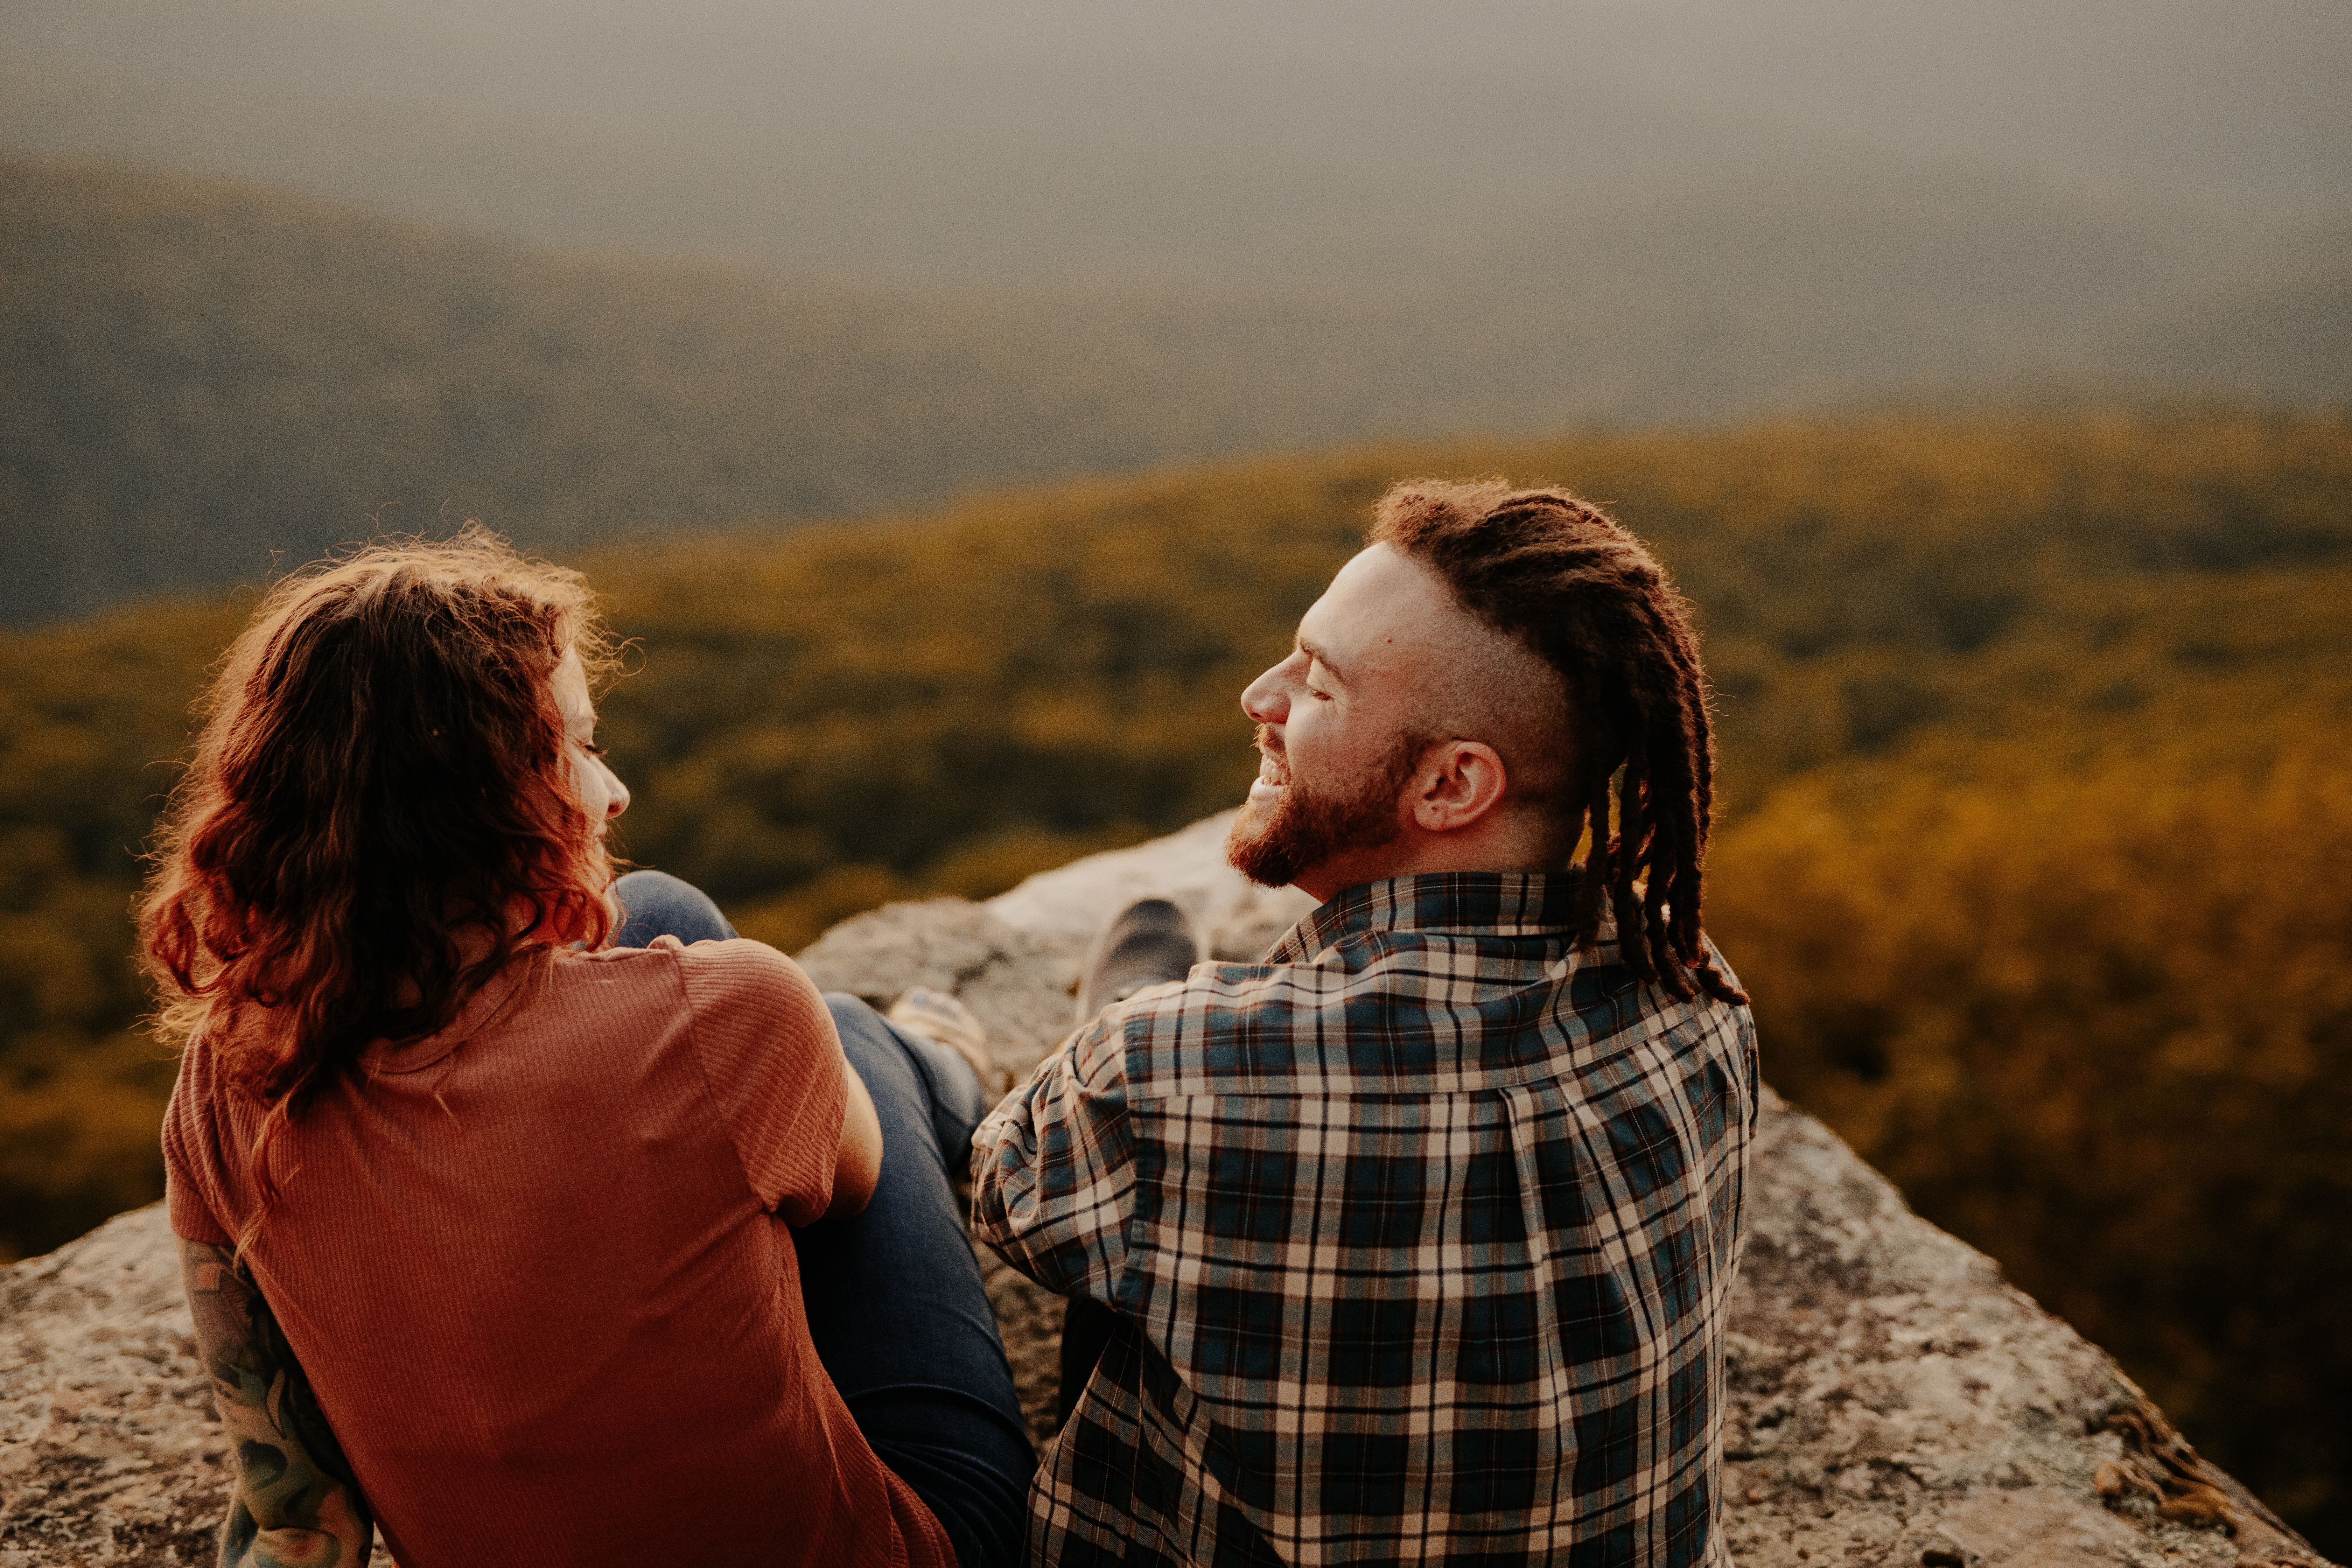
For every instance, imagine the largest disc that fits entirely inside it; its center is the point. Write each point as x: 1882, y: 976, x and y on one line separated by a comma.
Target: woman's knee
x: 655, y: 904
x: 879, y: 1059
x: 855, y: 1020
x: 940, y: 1088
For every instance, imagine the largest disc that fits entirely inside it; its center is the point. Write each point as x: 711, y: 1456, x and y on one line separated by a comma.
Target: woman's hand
x: 296, y: 1503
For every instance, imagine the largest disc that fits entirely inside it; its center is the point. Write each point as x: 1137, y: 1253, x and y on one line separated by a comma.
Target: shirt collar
x: 1489, y: 903
x: 419, y: 1051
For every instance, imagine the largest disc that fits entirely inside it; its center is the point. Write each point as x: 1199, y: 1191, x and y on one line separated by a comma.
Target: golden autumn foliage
x: 2036, y: 850
x: 2095, y: 1022
x: 92, y: 718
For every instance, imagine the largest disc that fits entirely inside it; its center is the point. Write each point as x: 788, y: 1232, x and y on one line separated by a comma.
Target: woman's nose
x: 619, y: 801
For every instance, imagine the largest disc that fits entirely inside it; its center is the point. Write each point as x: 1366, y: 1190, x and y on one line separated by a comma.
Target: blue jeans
x: 894, y: 1299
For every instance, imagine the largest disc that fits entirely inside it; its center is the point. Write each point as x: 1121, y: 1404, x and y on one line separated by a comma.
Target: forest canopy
x: 2036, y: 848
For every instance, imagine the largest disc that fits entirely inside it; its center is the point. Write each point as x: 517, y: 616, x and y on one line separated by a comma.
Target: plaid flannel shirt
x: 1421, y: 1233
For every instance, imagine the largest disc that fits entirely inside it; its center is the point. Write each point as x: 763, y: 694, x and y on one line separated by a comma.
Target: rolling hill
x: 198, y: 380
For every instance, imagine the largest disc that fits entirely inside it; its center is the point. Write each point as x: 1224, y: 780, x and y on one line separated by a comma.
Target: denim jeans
x: 895, y: 1304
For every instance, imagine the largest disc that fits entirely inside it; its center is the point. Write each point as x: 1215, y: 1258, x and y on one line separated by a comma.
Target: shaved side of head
x: 1485, y: 685
x: 1620, y: 740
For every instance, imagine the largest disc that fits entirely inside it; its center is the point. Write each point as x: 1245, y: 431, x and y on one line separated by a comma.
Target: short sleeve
x: 775, y: 1065
x: 190, y: 1150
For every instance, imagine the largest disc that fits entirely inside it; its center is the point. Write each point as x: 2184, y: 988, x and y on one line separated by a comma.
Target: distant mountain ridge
x: 198, y: 381
x: 201, y: 382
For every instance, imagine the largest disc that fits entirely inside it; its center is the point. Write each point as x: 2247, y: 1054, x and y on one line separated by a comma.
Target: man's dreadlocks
x: 1560, y: 577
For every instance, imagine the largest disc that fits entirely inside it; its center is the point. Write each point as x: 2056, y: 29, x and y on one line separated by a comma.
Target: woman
x: 483, y: 1216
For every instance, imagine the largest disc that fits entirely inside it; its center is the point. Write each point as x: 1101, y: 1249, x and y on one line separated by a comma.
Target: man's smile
x: 1273, y: 772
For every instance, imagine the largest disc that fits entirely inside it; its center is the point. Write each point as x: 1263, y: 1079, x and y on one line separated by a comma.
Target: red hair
x: 380, y: 814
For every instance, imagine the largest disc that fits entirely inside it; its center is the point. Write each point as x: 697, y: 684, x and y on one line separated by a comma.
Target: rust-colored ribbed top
x: 536, y: 1267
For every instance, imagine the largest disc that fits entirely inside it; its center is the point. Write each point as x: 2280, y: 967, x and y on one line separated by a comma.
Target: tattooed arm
x: 296, y: 1503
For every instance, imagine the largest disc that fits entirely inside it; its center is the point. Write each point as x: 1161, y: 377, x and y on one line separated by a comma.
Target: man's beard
x: 1306, y: 830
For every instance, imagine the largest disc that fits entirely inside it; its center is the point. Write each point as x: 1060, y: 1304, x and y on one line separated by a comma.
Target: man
x: 1416, y: 1238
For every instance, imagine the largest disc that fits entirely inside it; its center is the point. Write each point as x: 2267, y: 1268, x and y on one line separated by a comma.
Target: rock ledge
x: 1892, y: 1399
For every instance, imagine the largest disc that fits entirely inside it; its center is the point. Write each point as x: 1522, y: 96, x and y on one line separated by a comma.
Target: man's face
x: 1337, y: 728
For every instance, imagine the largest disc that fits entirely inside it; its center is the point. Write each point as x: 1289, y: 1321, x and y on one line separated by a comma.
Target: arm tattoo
x: 296, y: 1503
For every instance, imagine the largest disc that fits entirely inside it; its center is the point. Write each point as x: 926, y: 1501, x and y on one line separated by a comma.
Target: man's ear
x: 1460, y: 783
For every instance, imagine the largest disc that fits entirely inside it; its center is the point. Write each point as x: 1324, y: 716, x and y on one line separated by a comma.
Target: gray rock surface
x: 1892, y: 1400
x: 1014, y: 960
x: 108, y: 1449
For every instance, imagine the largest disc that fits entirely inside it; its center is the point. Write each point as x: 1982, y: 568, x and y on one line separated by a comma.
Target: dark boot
x: 1149, y: 943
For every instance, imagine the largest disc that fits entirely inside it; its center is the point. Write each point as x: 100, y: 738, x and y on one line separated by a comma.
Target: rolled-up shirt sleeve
x: 1053, y: 1168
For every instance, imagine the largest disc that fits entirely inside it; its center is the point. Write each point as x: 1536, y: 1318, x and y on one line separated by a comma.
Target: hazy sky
x: 1201, y: 140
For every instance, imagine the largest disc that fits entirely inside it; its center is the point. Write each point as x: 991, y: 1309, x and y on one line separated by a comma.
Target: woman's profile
x: 517, y: 1220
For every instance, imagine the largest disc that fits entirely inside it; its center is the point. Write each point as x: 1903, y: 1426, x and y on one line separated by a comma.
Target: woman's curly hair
x: 379, y: 816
